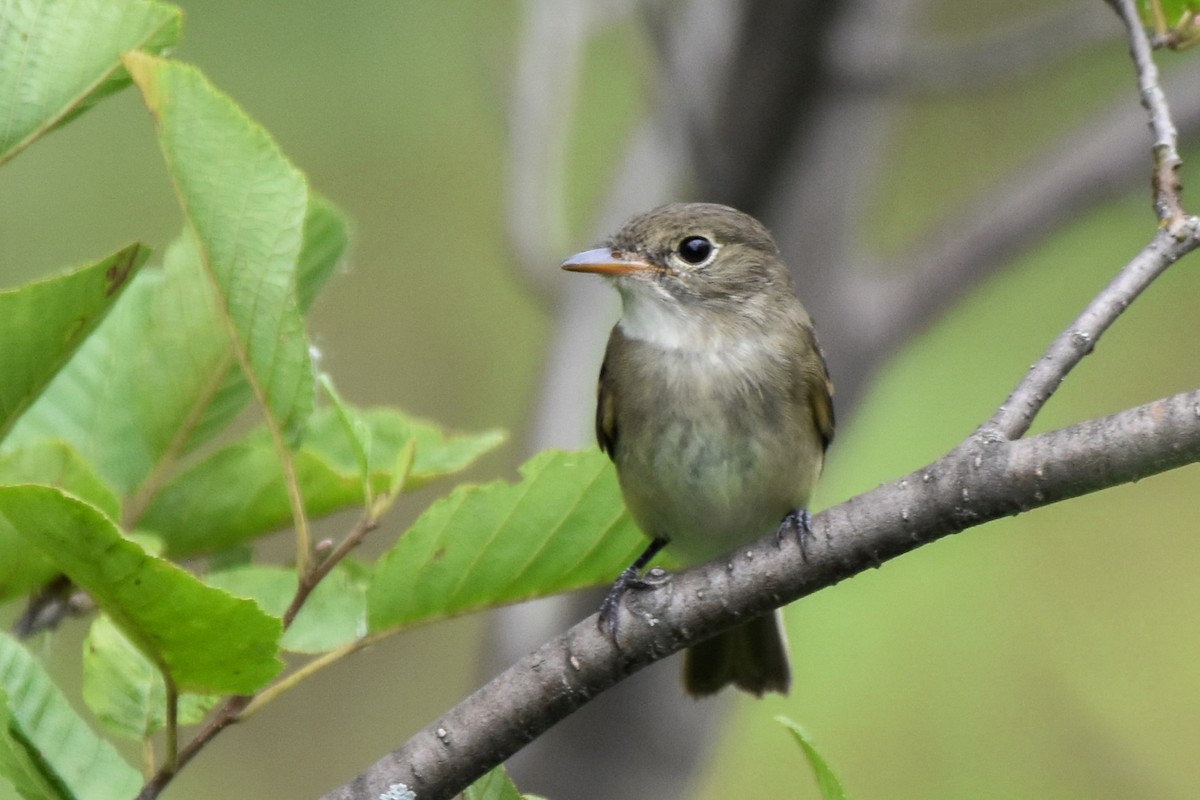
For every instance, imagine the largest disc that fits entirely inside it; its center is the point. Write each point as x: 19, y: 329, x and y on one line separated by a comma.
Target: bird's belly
x: 711, y: 484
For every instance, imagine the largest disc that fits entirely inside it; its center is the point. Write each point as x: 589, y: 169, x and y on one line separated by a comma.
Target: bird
x: 715, y: 405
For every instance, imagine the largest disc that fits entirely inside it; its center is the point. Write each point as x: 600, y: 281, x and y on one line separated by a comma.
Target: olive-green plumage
x: 714, y: 403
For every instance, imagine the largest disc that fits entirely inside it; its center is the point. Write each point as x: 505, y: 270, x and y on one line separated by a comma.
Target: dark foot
x: 629, y: 579
x: 798, y: 523
x: 610, y: 609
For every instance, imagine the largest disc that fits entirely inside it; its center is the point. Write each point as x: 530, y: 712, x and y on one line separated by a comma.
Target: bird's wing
x: 819, y: 388
x: 606, y: 406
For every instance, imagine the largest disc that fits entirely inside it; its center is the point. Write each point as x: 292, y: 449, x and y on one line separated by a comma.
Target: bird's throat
x: 665, y: 322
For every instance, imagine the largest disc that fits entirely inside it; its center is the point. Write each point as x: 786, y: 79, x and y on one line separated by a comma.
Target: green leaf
x: 326, y: 235
x: 335, y: 613
x: 125, y: 690
x: 496, y: 785
x: 387, y: 432
x: 324, y: 245
x: 238, y: 493
x: 206, y: 640
x: 131, y: 394
x: 357, y: 433
x: 55, y: 463
x: 247, y: 206
x: 1174, y: 21
x: 58, y: 58
x: 42, y: 324
x: 23, y: 567
x: 46, y: 750
x: 19, y: 766
x: 828, y: 783
x: 562, y: 526
x: 158, y: 378
x: 1172, y: 10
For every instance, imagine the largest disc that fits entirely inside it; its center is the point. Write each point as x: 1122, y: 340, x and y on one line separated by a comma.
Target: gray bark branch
x: 981, y: 480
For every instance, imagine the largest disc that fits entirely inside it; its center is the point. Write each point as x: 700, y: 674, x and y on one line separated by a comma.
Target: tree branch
x: 1167, y: 188
x: 981, y: 480
x: 1099, y: 159
x: 1176, y: 237
x: 1013, y: 418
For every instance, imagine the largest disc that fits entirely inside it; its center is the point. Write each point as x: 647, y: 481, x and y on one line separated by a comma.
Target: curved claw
x: 628, y: 579
x: 611, y: 606
x: 798, y: 522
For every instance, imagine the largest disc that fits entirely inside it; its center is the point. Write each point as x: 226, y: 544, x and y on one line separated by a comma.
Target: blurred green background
x: 1053, y: 655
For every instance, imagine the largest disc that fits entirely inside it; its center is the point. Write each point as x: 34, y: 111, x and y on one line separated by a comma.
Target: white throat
x: 663, y: 321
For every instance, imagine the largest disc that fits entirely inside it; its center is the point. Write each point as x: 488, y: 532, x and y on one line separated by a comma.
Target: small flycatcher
x: 714, y: 404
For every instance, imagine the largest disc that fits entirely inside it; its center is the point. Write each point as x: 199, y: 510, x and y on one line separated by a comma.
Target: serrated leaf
x: 561, y: 526
x: 56, y: 463
x: 125, y: 690
x: 158, y: 377
x: 206, y: 640
x: 47, y: 745
x: 59, y: 57
x: 827, y: 782
x: 22, y: 565
x: 334, y: 614
x: 42, y: 324
x: 247, y: 205
x: 126, y: 400
x: 238, y: 493
x: 388, y: 432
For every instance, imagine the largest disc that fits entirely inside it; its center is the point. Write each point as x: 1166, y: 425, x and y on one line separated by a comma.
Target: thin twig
x: 1167, y: 188
x: 1013, y: 419
x: 318, y: 571
x: 235, y: 708
x: 228, y: 714
x: 377, y: 508
x: 1177, y: 236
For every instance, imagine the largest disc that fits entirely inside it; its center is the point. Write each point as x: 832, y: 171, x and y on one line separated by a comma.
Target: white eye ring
x: 696, y: 251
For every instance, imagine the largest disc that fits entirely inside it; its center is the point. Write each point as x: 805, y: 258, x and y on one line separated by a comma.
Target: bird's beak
x: 606, y: 261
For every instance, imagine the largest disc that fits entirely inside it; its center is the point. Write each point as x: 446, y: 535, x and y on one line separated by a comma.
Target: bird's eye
x: 695, y: 249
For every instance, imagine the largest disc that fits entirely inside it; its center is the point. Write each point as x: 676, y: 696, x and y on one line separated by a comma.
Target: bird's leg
x: 630, y: 578
x: 797, y: 522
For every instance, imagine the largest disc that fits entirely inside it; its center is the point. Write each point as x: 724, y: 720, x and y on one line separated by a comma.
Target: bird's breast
x: 715, y: 447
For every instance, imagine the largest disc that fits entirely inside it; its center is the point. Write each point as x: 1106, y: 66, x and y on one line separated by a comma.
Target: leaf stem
x: 296, y: 500
x: 289, y: 682
x: 148, y: 761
